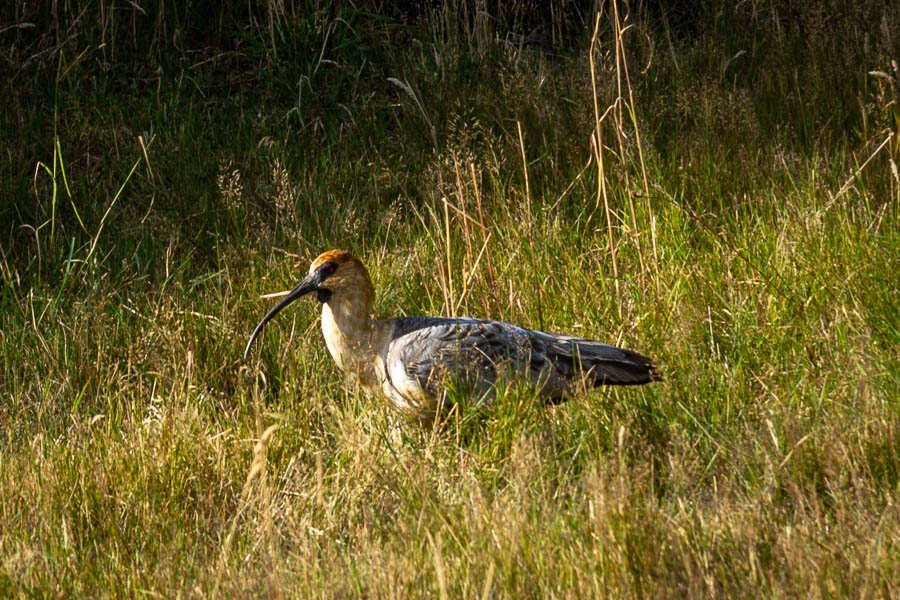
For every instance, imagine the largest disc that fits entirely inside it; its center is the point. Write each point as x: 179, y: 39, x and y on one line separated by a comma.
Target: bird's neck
x: 354, y: 339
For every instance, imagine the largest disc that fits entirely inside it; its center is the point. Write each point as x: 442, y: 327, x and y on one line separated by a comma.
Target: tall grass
x: 716, y: 188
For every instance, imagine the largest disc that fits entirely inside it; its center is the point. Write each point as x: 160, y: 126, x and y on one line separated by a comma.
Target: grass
x: 740, y: 225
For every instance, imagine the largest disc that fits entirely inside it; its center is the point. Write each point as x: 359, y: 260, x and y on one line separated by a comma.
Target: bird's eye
x: 330, y: 268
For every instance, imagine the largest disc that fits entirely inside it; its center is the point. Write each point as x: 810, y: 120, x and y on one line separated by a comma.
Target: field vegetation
x: 712, y: 184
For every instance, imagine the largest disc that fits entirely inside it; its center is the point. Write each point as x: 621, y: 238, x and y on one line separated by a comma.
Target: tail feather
x: 602, y: 364
x: 631, y: 369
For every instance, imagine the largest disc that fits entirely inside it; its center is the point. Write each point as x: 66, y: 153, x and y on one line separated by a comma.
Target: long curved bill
x: 309, y: 284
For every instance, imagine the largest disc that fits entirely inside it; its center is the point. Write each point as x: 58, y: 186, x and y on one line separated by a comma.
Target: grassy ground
x: 163, y: 167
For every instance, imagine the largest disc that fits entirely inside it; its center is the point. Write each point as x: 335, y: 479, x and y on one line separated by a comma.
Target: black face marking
x: 323, y: 295
x: 327, y: 269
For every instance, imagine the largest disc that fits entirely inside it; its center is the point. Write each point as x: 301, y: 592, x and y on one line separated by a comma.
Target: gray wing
x: 471, y: 352
x: 478, y: 352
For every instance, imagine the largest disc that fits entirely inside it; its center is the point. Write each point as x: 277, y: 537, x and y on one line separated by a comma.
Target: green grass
x: 160, y: 173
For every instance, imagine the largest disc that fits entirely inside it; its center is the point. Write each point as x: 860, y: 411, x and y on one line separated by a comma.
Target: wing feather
x: 425, y: 351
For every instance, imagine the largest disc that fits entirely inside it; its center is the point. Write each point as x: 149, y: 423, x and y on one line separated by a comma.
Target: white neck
x: 345, y: 326
x: 356, y: 342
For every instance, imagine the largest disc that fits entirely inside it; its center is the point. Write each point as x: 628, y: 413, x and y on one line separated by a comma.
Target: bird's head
x: 335, y: 276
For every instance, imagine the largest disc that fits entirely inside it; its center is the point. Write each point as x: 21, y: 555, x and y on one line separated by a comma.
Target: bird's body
x: 409, y: 360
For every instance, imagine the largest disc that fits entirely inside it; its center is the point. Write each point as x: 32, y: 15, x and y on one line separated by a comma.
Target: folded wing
x: 426, y: 351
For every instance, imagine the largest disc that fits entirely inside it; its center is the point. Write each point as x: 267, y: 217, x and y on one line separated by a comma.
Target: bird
x: 411, y: 361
